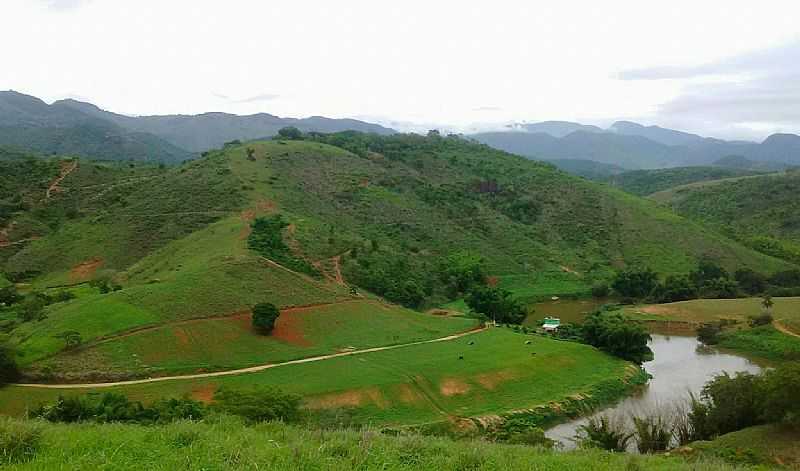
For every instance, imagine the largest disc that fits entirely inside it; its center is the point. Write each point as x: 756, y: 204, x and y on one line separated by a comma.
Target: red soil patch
x: 659, y: 310
x: 289, y: 329
x: 248, y: 215
x: 85, y: 271
x: 492, y: 280
x: 352, y: 398
x: 181, y: 336
x: 453, y: 387
x: 204, y: 393
x: 491, y: 380
x: 569, y: 270
x: 266, y: 206
x: 409, y: 395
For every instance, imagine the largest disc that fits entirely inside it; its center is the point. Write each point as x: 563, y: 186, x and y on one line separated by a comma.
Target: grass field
x: 230, y: 342
x: 228, y: 444
x: 765, y: 444
x: 708, y: 310
x: 764, y: 341
x: 409, y: 385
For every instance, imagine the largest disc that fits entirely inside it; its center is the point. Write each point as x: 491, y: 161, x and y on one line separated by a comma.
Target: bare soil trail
x: 252, y: 369
x: 782, y: 328
x: 66, y: 169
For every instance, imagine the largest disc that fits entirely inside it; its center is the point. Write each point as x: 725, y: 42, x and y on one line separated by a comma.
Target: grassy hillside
x: 765, y: 444
x: 646, y: 182
x: 379, y: 212
x: 228, y: 444
x: 762, y: 212
x: 416, y: 384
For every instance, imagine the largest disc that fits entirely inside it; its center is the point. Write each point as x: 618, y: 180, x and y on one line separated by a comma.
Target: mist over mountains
x: 77, y: 128
x: 634, y: 146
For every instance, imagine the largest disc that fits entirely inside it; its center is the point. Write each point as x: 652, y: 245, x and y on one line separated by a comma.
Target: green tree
x: 258, y: 405
x: 636, y: 284
x: 708, y: 270
x: 9, y: 295
x: 8, y: 362
x: 677, y: 288
x: 767, y: 303
x: 496, y: 304
x: 614, y: 333
x: 779, y: 393
x: 290, y: 132
x: 462, y: 271
x: 264, y: 317
x: 750, y: 281
x: 71, y: 338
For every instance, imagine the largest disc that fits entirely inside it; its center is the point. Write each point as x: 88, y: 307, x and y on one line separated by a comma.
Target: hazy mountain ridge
x: 634, y: 146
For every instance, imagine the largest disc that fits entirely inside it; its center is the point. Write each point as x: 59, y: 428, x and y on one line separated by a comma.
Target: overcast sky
x: 728, y: 68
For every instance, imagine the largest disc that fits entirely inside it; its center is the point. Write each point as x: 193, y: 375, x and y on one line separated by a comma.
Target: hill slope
x: 206, y: 131
x: 761, y: 211
x: 31, y: 124
x: 646, y: 182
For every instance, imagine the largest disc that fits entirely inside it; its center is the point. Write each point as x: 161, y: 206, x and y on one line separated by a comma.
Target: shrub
x: 779, y: 394
x: 636, y: 284
x: 761, y: 319
x: 113, y: 407
x: 600, y: 290
x: 604, y: 433
x: 496, y: 303
x: 258, y: 405
x: 8, y: 363
x: 614, y: 333
x: 290, y: 132
x: 264, y: 317
x: 709, y: 332
x: 652, y: 434
x: 19, y: 441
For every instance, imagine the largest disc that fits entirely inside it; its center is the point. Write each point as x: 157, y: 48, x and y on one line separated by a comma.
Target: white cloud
x: 412, y: 61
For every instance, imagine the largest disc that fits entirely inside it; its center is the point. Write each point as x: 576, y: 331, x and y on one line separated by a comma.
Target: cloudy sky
x: 728, y: 68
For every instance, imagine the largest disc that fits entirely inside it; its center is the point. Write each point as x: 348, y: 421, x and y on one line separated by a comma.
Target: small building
x: 551, y: 324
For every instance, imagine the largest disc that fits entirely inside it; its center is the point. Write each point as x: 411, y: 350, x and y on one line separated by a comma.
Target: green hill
x: 646, y: 182
x: 762, y: 212
x: 381, y: 214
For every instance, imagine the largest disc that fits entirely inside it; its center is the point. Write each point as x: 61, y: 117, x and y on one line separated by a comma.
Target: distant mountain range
x: 633, y: 146
x: 76, y: 128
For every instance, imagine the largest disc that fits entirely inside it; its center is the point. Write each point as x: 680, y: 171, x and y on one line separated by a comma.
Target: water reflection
x: 681, y: 365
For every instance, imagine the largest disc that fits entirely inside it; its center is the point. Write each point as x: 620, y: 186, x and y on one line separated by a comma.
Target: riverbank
x: 681, y: 365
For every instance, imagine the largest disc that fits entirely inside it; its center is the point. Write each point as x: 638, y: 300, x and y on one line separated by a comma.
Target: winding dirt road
x: 782, y: 328
x: 252, y: 369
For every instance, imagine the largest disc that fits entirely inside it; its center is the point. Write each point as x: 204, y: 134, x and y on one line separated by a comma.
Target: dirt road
x: 252, y: 369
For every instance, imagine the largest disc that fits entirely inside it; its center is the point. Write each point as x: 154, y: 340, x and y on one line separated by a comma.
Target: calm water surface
x: 681, y: 365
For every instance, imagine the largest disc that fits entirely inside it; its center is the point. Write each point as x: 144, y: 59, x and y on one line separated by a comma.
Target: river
x: 680, y: 365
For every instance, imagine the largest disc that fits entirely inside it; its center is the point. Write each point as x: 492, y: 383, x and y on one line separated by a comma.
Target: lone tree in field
x: 767, y: 303
x: 264, y: 317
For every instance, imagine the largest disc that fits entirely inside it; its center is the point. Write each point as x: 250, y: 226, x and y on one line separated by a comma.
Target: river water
x: 681, y: 364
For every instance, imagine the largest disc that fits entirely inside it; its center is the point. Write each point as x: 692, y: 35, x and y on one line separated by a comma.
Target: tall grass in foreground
x: 228, y: 443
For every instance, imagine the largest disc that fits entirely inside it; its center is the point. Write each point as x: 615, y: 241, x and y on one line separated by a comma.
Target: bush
x: 19, y: 441
x: 497, y: 304
x: 604, y: 433
x: 635, y: 284
x: 761, y: 319
x: 677, y: 288
x: 290, y: 132
x: 9, y: 371
x: 600, y: 290
x: 708, y: 333
x: 779, y: 394
x: 614, y: 333
x: 653, y: 434
x: 113, y: 407
x: 750, y: 281
x: 258, y: 405
x: 264, y: 317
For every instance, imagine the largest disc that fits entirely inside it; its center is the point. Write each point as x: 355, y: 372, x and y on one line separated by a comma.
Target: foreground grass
x: 426, y: 383
x: 226, y: 443
x: 764, y: 444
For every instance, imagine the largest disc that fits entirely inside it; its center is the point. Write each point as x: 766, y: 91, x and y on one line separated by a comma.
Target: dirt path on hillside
x: 782, y: 328
x: 252, y: 369
x: 65, y: 170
